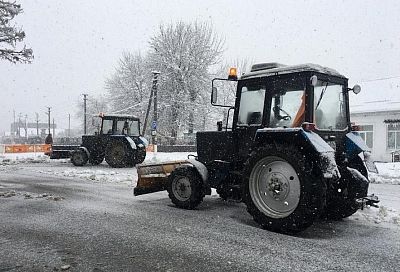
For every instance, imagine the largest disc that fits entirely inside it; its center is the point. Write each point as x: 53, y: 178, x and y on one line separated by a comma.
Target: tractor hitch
x: 370, y: 200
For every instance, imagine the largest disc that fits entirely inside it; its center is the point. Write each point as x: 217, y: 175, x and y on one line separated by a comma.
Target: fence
x: 25, y: 148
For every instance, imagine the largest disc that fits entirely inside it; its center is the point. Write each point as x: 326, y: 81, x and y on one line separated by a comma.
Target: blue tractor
x: 291, y: 153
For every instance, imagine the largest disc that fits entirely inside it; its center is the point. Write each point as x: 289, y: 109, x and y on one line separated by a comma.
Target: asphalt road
x: 84, y: 226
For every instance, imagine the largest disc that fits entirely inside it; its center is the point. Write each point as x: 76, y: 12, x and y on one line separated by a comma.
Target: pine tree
x: 10, y: 35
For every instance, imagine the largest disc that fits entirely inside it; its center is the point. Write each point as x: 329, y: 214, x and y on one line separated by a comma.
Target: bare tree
x: 184, y: 52
x: 129, y: 86
x: 10, y: 35
x: 94, y: 106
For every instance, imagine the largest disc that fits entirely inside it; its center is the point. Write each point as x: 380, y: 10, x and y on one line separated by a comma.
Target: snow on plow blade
x: 154, y: 177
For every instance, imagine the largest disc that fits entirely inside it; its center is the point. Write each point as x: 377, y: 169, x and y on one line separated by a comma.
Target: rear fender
x: 308, y: 142
x: 354, y: 145
x: 124, y: 139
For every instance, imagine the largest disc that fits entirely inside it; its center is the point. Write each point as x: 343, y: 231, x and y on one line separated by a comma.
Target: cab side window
x: 107, y: 126
x: 251, y: 105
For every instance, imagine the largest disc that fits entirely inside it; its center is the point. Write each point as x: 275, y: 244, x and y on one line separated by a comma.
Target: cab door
x: 250, y: 115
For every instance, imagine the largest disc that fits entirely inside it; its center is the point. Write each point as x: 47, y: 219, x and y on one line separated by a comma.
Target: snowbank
x: 98, y: 173
x: 15, y: 158
x: 101, y: 173
x: 379, y: 215
x: 389, y: 173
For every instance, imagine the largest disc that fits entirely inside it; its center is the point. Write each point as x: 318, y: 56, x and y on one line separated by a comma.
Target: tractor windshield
x: 128, y: 127
x: 329, y: 106
x: 288, y: 108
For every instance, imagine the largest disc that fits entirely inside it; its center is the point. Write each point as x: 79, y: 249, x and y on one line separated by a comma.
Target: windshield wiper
x: 322, y: 94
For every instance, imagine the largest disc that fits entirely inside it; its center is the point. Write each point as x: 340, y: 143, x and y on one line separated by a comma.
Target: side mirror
x: 356, y: 89
x: 214, y: 95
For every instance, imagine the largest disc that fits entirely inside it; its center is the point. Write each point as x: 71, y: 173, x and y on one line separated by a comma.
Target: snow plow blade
x: 154, y: 177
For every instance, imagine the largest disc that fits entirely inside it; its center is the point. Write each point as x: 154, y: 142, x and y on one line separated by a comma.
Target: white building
x: 377, y: 110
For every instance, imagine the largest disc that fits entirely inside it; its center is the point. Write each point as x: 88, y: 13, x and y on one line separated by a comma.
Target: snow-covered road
x: 386, y: 184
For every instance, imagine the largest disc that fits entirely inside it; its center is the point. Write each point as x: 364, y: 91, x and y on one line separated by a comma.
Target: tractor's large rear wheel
x: 117, y: 155
x: 343, y: 194
x: 185, y: 188
x: 280, y: 191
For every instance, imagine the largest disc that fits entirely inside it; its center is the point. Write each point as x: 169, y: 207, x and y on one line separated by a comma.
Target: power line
x: 378, y: 79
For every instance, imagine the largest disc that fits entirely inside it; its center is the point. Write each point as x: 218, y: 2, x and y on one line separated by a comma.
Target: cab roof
x: 118, y: 116
x: 273, y: 69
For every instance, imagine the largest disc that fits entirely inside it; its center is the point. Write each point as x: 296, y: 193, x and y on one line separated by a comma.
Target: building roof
x: 376, y: 106
x: 377, y: 96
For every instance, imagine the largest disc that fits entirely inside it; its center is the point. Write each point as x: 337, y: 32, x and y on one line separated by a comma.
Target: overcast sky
x: 77, y: 44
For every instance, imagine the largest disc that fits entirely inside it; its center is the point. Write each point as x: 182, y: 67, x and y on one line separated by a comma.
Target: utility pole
x: 14, y: 127
x: 48, y: 113
x: 69, y: 125
x: 148, y: 110
x: 37, y: 123
x: 19, y: 124
x: 84, y: 113
x: 26, y: 126
x: 54, y: 129
x: 155, y: 111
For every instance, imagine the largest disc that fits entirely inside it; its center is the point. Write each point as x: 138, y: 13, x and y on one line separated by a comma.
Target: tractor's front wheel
x: 280, y: 191
x: 79, y: 157
x: 185, y: 188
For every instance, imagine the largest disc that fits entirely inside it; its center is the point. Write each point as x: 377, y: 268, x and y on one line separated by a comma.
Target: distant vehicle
x: 118, y: 141
x: 291, y: 154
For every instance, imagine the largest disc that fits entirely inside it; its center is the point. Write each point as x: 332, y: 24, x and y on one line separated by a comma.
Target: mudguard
x: 125, y: 139
x: 310, y: 142
x: 143, y: 141
x: 84, y: 149
x: 355, y: 145
x: 131, y: 143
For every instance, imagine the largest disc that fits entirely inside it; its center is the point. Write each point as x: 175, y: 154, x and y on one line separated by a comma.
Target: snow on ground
x: 14, y: 158
x: 383, y: 184
x: 379, y: 215
x: 98, y: 173
x: 389, y: 173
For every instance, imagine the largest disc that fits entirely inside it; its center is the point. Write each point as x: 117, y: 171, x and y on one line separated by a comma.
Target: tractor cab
x: 118, y: 125
x: 280, y: 97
